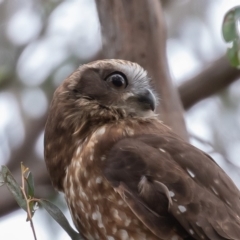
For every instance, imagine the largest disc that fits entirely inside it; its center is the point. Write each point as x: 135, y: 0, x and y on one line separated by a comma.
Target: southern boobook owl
x: 124, y: 173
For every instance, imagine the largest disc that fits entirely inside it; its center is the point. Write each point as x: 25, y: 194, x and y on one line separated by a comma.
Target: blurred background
x: 42, y: 42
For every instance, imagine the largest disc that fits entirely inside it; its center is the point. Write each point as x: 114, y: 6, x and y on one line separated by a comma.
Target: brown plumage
x: 125, y: 174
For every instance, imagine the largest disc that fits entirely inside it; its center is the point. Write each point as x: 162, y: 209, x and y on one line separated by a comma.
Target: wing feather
x: 174, y: 188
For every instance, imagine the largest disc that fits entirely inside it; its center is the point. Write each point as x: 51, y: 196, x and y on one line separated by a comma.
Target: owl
x: 125, y: 174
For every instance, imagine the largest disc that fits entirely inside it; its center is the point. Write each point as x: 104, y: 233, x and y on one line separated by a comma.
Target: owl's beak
x: 147, y: 99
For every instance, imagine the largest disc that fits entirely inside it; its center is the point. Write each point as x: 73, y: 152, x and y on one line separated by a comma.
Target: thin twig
x: 214, y: 78
x: 29, y: 215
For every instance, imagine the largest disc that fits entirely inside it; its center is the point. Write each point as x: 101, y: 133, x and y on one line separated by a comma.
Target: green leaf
x: 233, y: 54
x: 30, y: 184
x: 231, y: 34
x: 1, y: 179
x: 230, y: 29
x: 14, y: 188
x: 59, y: 217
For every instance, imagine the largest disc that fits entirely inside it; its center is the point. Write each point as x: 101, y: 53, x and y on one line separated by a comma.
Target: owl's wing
x: 172, y: 186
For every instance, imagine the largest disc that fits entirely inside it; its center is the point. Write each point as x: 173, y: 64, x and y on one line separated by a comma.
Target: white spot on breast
x: 100, y: 132
x: 162, y: 150
x: 174, y: 237
x: 91, y: 144
x: 100, y: 225
x: 83, y: 195
x: 91, y: 157
x: 127, y: 222
x: 103, y: 157
x: 124, y: 218
x: 115, y: 214
x: 78, y: 150
x: 80, y: 204
x: 171, y: 194
x: 98, y: 180
x: 110, y: 238
x: 191, y: 231
x: 96, y: 215
x: 95, y: 197
x: 72, y: 192
x: 182, y: 208
x: 120, y: 202
x: 123, y: 234
x: 190, y: 172
x: 70, y: 180
x: 77, y: 169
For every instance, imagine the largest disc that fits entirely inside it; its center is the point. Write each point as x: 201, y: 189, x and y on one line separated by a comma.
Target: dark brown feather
x: 204, y: 200
x: 99, y: 139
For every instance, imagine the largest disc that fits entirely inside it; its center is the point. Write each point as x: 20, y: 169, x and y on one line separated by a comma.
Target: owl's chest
x: 97, y: 210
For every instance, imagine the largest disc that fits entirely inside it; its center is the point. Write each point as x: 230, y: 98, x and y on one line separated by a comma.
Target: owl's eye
x: 117, y: 80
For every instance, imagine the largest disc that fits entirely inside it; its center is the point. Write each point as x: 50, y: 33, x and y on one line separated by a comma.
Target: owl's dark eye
x: 117, y: 80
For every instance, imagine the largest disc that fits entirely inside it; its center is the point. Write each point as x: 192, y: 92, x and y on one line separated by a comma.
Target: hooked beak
x: 143, y: 101
x: 147, y: 99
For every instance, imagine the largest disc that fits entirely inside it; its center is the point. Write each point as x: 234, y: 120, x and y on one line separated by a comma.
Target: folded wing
x: 175, y: 189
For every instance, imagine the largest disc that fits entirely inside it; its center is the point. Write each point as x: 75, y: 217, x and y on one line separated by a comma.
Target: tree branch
x: 213, y: 79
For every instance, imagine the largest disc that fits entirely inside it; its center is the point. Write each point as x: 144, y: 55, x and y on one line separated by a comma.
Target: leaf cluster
x: 24, y: 195
x: 231, y: 35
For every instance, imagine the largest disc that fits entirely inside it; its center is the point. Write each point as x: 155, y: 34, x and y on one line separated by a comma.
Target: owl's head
x: 105, y: 87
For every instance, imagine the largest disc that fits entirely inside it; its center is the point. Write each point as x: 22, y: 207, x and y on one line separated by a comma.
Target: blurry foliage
x: 24, y: 196
x: 231, y: 34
